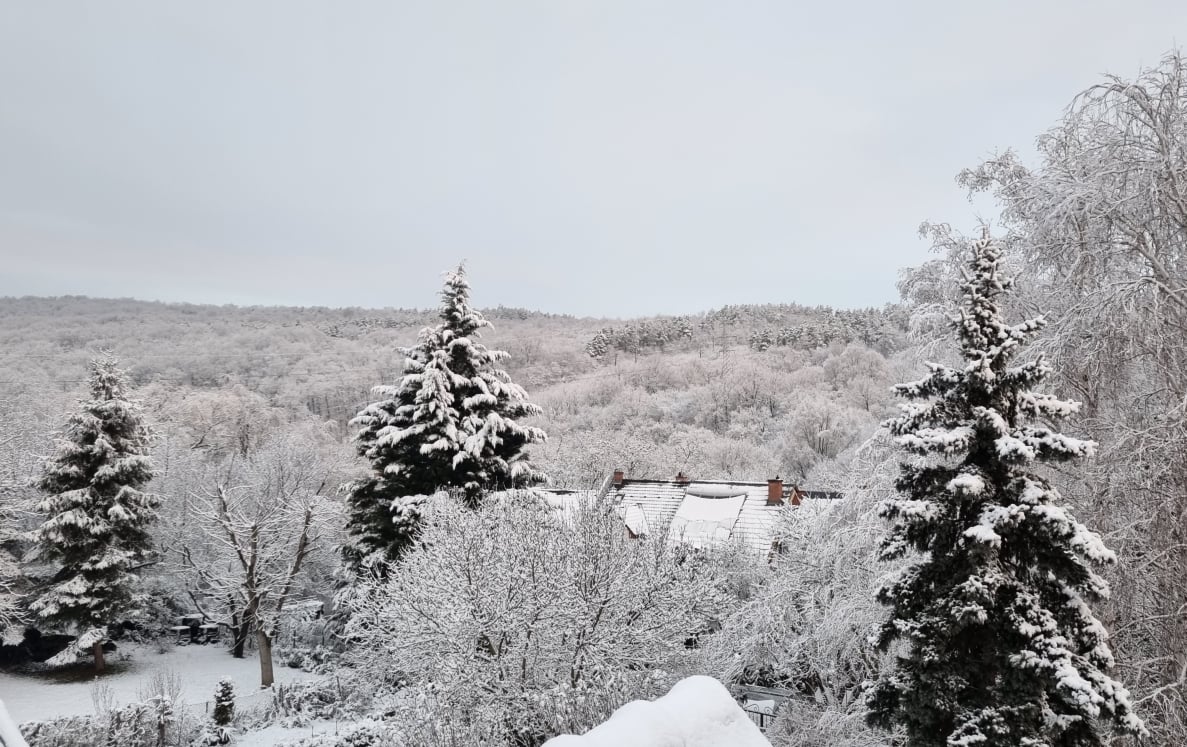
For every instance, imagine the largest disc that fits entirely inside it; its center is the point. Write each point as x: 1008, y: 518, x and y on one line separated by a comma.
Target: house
x: 703, y: 513
x: 761, y: 703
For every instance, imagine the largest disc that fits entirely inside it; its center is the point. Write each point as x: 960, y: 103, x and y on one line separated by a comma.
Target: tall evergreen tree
x: 96, y: 511
x: 1001, y: 647
x: 450, y: 423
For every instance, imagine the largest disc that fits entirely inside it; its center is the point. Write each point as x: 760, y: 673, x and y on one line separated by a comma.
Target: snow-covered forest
x: 316, y: 526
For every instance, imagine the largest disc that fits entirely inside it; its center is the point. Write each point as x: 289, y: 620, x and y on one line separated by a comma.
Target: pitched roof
x: 702, y: 512
x: 703, y: 521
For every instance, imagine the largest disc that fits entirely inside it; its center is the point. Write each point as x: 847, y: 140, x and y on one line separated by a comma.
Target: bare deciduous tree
x: 518, y: 600
x: 262, y: 519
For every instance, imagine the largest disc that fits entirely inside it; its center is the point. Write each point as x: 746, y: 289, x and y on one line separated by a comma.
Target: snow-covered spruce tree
x: 224, y: 702
x: 1001, y: 646
x: 96, y: 512
x: 451, y: 422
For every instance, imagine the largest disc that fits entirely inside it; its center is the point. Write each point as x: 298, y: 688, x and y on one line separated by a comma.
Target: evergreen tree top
x: 987, y: 393
x: 986, y: 341
x: 105, y: 444
x: 461, y: 320
x: 107, y: 380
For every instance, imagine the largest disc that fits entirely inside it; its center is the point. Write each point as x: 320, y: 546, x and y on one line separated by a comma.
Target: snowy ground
x: 199, y: 668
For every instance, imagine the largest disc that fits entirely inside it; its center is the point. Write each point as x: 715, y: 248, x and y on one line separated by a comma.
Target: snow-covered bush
x: 159, y: 600
x: 364, y: 734
x: 212, y: 735
x: 809, y: 724
x: 572, y: 710
x: 417, y: 718
x: 298, y: 703
x: 74, y: 731
x: 154, y: 722
x: 505, y: 608
x: 316, y: 660
x: 303, y: 625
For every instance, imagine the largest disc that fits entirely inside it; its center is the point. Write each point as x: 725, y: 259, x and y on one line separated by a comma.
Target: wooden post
x: 266, y: 676
x: 97, y: 650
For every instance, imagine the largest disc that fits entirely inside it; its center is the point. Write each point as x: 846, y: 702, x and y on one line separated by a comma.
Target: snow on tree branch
x: 997, y: 642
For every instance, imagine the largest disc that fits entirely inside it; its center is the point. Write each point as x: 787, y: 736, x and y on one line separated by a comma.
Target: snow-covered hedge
x: 315, y: 660
x: 150, y: 723
x: 298, y: 703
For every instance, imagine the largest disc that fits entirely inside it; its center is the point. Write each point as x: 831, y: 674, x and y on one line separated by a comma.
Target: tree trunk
x: 97, y: 650
x: 241, y: 625
x: 239, y: 631
x: 265, y: 657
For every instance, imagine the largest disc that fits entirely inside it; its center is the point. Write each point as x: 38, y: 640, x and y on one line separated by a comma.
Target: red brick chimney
x: 619, y: 476
x: 681, y: 479
x: 775, y: 492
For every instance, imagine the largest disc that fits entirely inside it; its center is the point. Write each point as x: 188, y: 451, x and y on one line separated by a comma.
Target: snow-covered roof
x: 635, y: 519
x: 704, y: 512
x: 703, y: 522
x: 565, y: 502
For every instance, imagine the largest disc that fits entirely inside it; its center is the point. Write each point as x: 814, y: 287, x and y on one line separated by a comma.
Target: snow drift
x: 697, y: 712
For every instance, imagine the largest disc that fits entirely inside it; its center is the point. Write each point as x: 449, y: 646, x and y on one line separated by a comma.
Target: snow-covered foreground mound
x: 697, y: 712
x: 10, y: 736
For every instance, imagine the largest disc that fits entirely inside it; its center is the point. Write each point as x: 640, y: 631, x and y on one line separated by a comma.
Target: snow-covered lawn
x: 37, y: 697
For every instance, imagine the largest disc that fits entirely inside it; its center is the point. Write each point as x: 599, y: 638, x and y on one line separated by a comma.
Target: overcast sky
x: 588, y: 157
